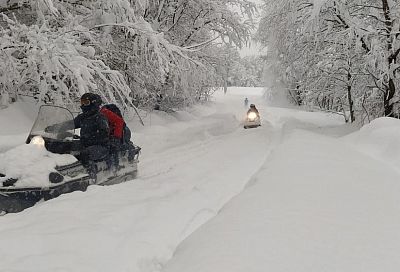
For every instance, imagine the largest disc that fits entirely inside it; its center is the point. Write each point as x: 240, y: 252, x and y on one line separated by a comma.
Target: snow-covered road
x: 288, y: 196
x: 319, y: 203
x: 189, y: 169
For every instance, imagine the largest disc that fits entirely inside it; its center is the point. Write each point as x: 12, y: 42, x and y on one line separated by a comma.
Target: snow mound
x: 380, y: 139
x: 315, y: 205
x: 31, y: 164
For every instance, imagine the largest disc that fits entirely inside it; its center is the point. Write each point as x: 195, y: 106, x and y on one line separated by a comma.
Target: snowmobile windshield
x: 53, y: 122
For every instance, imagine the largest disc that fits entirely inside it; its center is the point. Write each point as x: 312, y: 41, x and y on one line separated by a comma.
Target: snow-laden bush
x: 54, y: 65
x: 130, y: 52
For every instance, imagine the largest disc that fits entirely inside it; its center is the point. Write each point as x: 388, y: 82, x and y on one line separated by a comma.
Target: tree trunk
x: 387, y: 104
x: 299, y: 99
x: 225, y: 86
x: 351, y: 104
x: 349, y: 97
x: 391, y: 89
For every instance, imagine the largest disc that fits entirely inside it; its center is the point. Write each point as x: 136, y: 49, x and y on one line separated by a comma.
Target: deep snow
x: 315, y: 205
x: 292, y: 195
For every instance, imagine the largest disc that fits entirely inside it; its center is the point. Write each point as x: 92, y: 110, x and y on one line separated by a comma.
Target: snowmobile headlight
x: 38, y: 140
x: 252, y: 115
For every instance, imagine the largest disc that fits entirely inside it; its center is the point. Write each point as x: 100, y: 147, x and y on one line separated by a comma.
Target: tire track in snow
x: 206, y: 214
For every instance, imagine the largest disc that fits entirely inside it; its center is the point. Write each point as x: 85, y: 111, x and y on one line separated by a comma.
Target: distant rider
x: 246, y: 102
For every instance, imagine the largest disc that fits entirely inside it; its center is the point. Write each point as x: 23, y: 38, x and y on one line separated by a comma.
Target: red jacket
x: 115, y: 122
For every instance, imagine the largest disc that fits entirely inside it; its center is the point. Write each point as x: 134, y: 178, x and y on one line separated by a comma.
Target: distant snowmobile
x: 253, y: 118
x: 118, y: 167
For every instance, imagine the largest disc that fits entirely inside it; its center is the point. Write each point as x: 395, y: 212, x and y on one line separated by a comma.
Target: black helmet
x: 90, y: 102
x: 98, y: 101
x: 91, y: 99
x: 252, y: 106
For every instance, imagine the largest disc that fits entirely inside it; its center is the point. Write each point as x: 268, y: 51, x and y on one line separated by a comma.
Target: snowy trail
x: 186, y: 175
x: 318, y: 204
x: 292, y: 195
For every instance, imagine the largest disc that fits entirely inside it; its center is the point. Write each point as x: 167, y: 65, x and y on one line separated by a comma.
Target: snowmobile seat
x: 120, y: 151
x: 93, y: 153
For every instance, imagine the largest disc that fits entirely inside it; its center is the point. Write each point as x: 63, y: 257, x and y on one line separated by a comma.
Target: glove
x: 64, y: 134
x: 51, y: 129
x: 58, y: 127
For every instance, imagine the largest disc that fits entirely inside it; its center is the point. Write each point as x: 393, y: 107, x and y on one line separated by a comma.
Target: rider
x: 94, y: 135
x: 253, y: 109
x: 246, y: 102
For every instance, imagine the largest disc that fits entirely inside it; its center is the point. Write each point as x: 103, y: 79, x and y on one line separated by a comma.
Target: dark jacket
x: 94, y: 128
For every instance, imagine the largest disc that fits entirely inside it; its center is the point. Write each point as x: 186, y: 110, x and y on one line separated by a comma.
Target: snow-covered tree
x: 331, y: 51
x: 128, y: 51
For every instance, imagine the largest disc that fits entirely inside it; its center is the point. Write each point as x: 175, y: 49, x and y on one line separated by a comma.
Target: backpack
x: 127, y: 132
x: 114, y: 108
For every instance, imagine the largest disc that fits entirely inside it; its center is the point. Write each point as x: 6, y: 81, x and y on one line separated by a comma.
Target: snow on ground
x: 188, y: 171
x: 379, y: 139
x: 317, y: 204
x: 291, y: 195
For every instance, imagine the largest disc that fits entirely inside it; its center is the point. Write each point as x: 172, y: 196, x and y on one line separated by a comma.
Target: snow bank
x: 31, y: 164
x: 319, y: 122
x: 316, y: 205
x: 379, y: 139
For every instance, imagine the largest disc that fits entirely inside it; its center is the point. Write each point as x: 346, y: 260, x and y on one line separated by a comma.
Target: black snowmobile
x: 119, y: 166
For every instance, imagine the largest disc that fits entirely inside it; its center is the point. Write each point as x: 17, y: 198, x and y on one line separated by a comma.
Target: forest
x: 335, y: 55
x: 338, y: 56
x: 164, y: 53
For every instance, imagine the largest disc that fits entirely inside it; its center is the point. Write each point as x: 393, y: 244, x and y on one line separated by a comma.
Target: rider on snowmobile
x: 253, y: 109
x: 94, y: 135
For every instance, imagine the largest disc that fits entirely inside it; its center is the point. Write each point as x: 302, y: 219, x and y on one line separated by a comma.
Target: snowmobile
x: 119, y: 166
x: 252, y: 120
